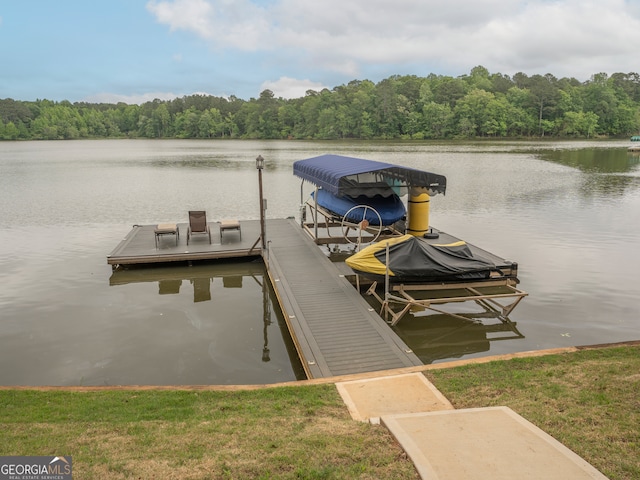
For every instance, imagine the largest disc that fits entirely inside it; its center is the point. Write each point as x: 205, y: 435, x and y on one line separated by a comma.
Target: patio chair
x: 198, y: 224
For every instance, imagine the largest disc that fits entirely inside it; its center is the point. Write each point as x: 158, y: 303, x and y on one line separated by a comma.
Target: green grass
x: 589, y: 401
x: 288, y: 432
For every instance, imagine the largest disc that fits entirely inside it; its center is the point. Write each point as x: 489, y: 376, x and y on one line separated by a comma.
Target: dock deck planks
x: 335, y: 330
x: 139, y: 247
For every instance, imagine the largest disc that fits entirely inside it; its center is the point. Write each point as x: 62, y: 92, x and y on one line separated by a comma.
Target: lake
x: 567, y: 212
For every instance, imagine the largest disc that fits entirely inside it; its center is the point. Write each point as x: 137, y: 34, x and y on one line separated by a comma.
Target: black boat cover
x: 348, y: 176
x: 413, y: 260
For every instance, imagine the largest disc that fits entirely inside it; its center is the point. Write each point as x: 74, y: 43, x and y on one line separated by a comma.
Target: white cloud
x: 226, y: 23
x: 193, y: 15
x: 286, y: 87
x: 563, y: 37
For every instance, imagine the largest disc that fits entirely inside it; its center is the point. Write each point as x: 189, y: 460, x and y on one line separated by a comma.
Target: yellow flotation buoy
x: 418, y: 212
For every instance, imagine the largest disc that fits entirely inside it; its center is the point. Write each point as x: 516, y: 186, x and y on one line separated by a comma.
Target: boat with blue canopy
x: 364, y: 196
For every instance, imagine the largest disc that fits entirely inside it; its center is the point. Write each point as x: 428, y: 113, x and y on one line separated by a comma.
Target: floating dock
x: 141, y: 247
x: 334, y: 329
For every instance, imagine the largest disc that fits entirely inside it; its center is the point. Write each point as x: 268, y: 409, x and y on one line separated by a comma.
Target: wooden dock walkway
x: 335, y: 330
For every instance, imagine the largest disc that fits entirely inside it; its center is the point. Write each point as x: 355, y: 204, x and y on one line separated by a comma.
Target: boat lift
x: 351, y: 178
x: 346, y: 176
x: 490, y: 294
x: 491, y: 302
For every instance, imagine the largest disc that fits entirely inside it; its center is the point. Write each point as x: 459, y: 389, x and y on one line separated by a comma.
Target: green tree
x: 187, y: 123
x: 288, y: 119
x: 327, y: 121
x: 9, y: 131
x: 161, y: 121
x: 545, y: 95
x: 482, y: 110
x: 478, y: 104
x: 579, y: 124
x: 359, y: 110
x: 600, y: 98
x: 437, y: 120
x: 448, y: 90
x: 479, y: 79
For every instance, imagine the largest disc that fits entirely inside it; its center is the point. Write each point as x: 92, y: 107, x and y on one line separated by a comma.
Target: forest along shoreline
x: 480, y: 104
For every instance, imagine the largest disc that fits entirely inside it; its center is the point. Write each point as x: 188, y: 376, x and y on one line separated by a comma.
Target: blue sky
x: 137, y: 50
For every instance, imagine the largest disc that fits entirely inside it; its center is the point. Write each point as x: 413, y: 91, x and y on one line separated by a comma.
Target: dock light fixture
x: 259, y: 167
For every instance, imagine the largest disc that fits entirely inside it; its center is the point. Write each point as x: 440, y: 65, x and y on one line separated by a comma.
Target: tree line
x: 476, y: 105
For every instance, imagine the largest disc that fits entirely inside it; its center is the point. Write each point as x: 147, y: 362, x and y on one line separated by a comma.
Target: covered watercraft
x: 412, y: 260
x: 372, y: 188
x: 391, y: 208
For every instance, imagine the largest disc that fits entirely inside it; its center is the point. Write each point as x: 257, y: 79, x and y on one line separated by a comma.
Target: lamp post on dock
x: 259, y: 167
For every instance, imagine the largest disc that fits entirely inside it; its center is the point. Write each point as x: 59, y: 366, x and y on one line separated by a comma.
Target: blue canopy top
x: 348, y: 176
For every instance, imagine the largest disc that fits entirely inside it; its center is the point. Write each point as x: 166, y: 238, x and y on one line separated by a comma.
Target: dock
x: 139, y: 246
x: 334, y: 329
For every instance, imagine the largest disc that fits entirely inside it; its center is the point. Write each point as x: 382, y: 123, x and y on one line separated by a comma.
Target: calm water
x: 568, y: 213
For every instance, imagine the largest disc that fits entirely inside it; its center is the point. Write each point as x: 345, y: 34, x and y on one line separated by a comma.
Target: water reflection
x: 612, y: 160
x: 607, y: 172
x: 439, y: 337
x: 455, y: 329
x: 200, y: 277
x: 209, y: 283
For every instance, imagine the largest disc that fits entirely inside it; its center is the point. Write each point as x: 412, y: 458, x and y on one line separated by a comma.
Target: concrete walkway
x: 447, y: 444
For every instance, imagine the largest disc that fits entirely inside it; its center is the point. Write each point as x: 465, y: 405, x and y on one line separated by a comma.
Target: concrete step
x: 484, y: 443
x: 449, y: 444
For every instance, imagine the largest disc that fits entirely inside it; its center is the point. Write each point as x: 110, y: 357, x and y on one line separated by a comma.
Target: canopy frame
x: 349, y: 176
x: 355, y: 177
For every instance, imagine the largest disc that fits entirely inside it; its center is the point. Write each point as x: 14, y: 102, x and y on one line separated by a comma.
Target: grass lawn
x: 287, y: 432
x: 588, y: 400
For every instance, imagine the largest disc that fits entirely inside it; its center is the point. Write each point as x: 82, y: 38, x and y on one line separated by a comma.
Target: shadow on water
x: 198, y: 282
x: 456, y: 330
x: 440, y: 337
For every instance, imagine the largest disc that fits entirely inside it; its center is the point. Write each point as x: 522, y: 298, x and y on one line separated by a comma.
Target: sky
x: 136, y: 50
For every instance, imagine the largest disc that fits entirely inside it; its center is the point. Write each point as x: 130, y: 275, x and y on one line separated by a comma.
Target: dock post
x: 259, y: 167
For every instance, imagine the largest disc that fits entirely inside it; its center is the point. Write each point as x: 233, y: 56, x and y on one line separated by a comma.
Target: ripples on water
x: 567, y: 212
